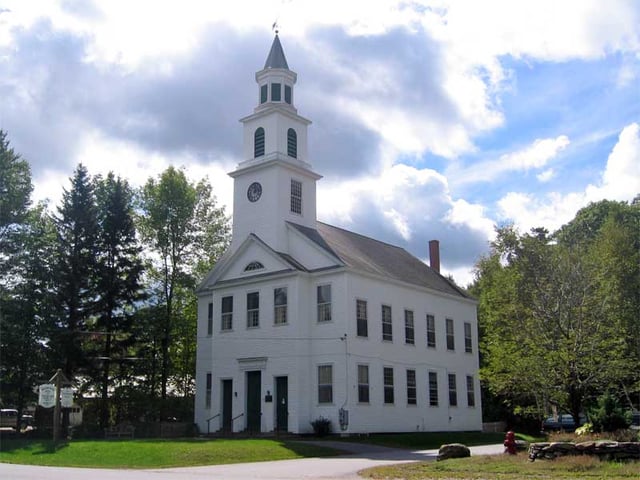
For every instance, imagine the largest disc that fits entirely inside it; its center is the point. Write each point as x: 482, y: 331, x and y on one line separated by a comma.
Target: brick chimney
x: 434, y: 255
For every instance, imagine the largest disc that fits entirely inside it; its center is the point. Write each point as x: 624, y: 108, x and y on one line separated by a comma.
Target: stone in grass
x: 453, y: 450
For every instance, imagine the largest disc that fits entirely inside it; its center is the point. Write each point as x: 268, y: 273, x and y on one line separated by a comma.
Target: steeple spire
x: 276, y: 58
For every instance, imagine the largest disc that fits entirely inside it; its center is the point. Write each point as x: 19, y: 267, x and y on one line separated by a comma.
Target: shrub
x: 608, y: 415
x: 321, y: 426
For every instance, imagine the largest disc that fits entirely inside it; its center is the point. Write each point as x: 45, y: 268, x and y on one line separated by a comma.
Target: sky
x: 432, y: 119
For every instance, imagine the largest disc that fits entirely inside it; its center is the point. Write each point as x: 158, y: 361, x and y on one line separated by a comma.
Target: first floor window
x: 453, y: 394
x: 431, y: 331
x: 207, y: 394
x: 433, y: 389
x: 388, y: 384
x: 468, y: 344
x: 253, y: 310
x: 409, y: 333
x: 325, y: 384
x: 471, y: 393
x: 411, y: 387
x: 363, y: 383
x: 210, y: 319
x: 324, y: 303
x: 227, y: 313
x: 280, y: 305
x: 387, y: 325
x: 361, y: 318
x: 451, y: 344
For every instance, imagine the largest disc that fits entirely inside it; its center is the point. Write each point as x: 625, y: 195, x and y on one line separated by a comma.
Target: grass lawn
x: 429, y: 440
x: 153, y: 453
x: 508, y: 467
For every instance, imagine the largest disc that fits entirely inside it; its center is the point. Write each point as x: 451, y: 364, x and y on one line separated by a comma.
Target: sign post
x: 52, y: 395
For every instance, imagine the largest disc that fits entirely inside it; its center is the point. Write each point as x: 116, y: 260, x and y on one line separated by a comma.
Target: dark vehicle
x: 562, y: 422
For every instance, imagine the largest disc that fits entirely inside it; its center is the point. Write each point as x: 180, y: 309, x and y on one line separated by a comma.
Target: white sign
x: 66, y: 397
x: 47, y: 396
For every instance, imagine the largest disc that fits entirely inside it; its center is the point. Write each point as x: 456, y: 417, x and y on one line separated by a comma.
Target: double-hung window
x: 361, y: 318
x: 227, y: 313
x: 409, y: 332
x: 363, y: 383
x: 468, y: 342
x: 296, y: 196
x: 210, y: 319
x: 207, y: 392
x: 324, y: 303
x: 253, y: 310
x: 325, y: 384
x: 387, y: 324
x: 471, y: 392
x: 388, y: 384
x: 451, y: 344
x: 433, y: 389
x: 431, y: 331
x: 280, y: 306
x: 453, y: 392
x: 411, y: 387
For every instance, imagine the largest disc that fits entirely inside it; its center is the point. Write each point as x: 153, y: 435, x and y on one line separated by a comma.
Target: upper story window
x: 227, y: 313
x: 324, y: 303
x: 253, y: 310
x: 451, y: 344
x: 258, y: 142
x: 276, y: 95
x: 296, y: 196
x: 387, y: 325
x: 431, y: 331
x: 292, y: 143
x: 409, y: 332
x: 280, y: 306
x: 263, y: 93
x: 468, y: 343
x: 253, y: 266
x: 287, y: 94
x: 361, y: 318
x: 210, y: 319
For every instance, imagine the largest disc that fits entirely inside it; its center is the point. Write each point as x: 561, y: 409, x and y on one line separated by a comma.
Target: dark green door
x: 227, y: 405
x: 253, y: 401
x: 282, y: 404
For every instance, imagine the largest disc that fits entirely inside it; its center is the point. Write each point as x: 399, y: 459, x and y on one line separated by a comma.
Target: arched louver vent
x: 292, y: 143
x: 258, y: 142
x: 253, y: 266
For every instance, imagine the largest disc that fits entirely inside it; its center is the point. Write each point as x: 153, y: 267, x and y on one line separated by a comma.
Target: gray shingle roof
x: 276, y: 58
x: 376, y: 257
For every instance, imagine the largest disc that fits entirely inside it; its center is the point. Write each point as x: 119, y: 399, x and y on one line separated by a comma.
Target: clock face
x: 254, y: 191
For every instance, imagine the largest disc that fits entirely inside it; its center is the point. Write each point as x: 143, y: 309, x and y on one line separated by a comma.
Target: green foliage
x: 15, y: 186
x: 608, y: 415
x: 559, y: 314
x: 321, y: 426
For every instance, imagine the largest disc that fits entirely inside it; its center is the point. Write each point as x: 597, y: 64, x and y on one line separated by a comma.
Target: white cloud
x: 620, y: 181
x: 546, y: 175
x: 534, y: 156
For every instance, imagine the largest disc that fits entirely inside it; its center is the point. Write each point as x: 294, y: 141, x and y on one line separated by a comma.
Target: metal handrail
x: 208, y: 423
x: 235, y: 418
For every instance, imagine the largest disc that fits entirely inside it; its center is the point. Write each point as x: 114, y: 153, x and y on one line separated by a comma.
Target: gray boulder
x: 453, y: 450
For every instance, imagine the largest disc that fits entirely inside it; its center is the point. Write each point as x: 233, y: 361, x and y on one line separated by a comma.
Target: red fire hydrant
x: 510, y: 443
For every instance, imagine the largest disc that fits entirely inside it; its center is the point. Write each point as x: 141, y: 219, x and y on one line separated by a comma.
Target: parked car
x: 9, y: 418
x: 561, y: 422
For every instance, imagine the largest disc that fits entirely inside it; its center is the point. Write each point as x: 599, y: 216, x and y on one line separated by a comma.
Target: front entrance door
x: 253, y: 401
x: 227, y: 405
x: 282, y: 404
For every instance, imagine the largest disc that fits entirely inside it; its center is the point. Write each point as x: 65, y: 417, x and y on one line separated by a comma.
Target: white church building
x: 301, y: 320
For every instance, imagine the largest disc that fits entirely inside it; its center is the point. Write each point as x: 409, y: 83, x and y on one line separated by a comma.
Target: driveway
x: 344, y: 467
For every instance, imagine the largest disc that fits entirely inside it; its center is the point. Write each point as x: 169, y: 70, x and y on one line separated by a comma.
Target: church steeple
x: 274, y: 183
x: 276, y: 58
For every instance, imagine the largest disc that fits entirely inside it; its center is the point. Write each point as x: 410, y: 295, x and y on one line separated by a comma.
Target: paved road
x: 344, y: 467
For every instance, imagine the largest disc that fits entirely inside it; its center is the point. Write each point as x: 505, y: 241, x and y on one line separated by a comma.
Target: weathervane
x: 275, y: 26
